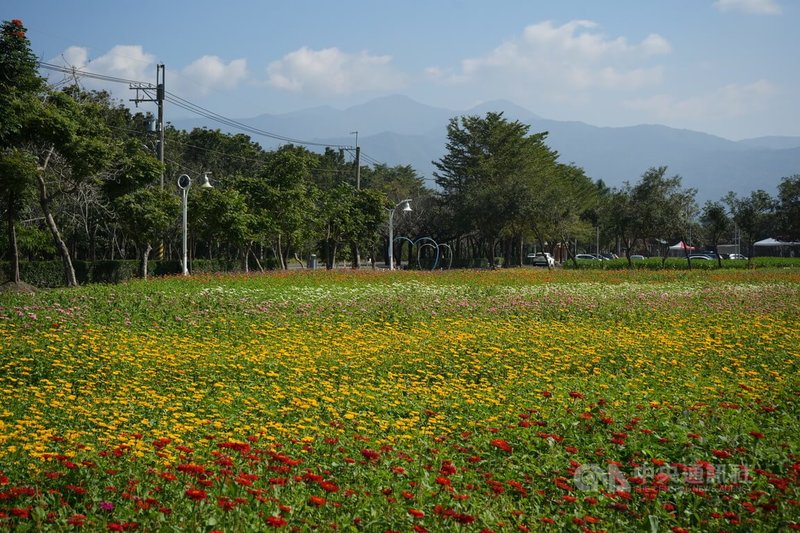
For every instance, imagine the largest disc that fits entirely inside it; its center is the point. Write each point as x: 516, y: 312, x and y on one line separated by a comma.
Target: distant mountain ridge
x: 400, y: 131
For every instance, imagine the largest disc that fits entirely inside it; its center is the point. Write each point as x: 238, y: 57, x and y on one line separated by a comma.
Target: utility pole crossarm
x: 147, y: 90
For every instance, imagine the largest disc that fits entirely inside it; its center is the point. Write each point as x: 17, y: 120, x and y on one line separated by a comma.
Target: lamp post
x: 184, y: 183
x: 406, y: 209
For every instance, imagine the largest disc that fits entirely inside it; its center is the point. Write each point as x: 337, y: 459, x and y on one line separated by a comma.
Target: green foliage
x: 146, y: 213
x: 789, y: 208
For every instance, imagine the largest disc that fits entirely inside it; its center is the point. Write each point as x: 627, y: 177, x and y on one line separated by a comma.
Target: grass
x: 373, y: 401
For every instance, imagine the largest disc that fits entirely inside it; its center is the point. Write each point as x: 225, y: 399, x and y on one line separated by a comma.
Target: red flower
x: 329, y: 486
x: 196, y: 494
x: 416, y: 513
x: 317, y: 500
x: 501, y: 444
x: 161, y: 443
x: 757, y: 435
x: 193, y: 469
x: 722, y: 454
x: 370, y: 455
x: 276, y: 521
x: 547, y: 393
x: 16, y: 22
x: 76, y: 520
x: 576, y: 394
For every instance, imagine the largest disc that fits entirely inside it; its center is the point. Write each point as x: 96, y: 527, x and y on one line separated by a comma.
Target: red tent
x: 681, y: 246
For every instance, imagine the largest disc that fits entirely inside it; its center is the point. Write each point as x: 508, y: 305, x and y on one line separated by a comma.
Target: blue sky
x: 727, y: 67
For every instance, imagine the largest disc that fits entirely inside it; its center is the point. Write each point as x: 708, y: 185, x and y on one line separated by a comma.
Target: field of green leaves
x: 519, y: 400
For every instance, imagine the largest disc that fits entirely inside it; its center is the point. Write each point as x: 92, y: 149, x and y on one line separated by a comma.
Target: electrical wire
x: 189, y: 106
x: 206, y: 113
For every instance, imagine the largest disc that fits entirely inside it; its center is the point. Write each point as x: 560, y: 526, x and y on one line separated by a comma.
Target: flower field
x: 373, y: 401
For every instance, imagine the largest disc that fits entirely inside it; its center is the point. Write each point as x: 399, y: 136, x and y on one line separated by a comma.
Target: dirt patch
x: 21, y: 287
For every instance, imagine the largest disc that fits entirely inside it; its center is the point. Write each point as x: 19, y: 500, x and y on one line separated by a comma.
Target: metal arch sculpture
x: 450, y: 255
x: 435, y: 246
x: 422, y: 242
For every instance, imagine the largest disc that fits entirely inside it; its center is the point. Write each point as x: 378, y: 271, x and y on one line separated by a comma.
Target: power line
x: 206, y: 113
x: 191, y: 107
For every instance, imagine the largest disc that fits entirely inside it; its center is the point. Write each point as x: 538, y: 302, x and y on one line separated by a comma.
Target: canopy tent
x: 774, y: 242
x: 772, y: 246
x: 681, y: 246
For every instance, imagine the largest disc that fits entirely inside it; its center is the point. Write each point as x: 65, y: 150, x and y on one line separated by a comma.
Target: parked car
x: 543, y: 259
x: 696, y: 257
x: 637, y: 257
x: 737, y: 256
x: 586, y: 257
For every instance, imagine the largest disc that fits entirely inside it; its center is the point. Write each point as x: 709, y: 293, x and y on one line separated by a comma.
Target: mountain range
x: 397, y: 130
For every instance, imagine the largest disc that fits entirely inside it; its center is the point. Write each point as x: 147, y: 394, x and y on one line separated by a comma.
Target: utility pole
x: 358, y: 161
x: 154, y: 93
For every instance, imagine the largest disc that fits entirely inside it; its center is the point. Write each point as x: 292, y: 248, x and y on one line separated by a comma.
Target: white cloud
x: 731, y: 101
x: 755, y: 7
x: 211, y: 73
x: 123, y: 61
x: 332, y: 71
x: 567, y: 58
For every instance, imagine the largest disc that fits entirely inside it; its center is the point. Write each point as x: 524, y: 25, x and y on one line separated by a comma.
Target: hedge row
x: 49, y: 274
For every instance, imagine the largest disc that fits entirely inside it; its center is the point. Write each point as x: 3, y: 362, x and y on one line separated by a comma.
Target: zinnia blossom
x: 196, y: 494
x: 276, y: 521
x: 501, y: 444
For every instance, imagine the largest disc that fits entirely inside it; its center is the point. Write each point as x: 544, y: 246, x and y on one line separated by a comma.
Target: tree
x: 489, y: 174
x: 220, y: 217
x: 20, y: 87
x: 716, y: 222
x: 145, y: 214
x: 72, y: 144
x: 754, y: 215
x: 656, y: 207
x: 788, y: 208
x: 288, y: 199
x: 566, y: 203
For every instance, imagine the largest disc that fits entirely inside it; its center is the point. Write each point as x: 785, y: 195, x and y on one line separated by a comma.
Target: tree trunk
x: 69, y: 271
x: 12, y: 239
x: 491, y: 243
x: 281, y: 259
x: 143, y: 265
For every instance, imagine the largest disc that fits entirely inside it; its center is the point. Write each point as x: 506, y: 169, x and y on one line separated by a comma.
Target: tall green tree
x: 289, y: 199
x: 754, y: 215
x: 145, y: 214
x: 489, y: 174
x: 20, y: 90
x: 788, y: 208
x: 656, y: 207
x: 715, y: 222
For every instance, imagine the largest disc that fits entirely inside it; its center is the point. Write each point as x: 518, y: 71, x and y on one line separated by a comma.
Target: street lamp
x: 406, y: 209
x: 184, y: 183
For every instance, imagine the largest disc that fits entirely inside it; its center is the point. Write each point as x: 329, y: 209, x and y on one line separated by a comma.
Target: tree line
x: 80, y: 179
